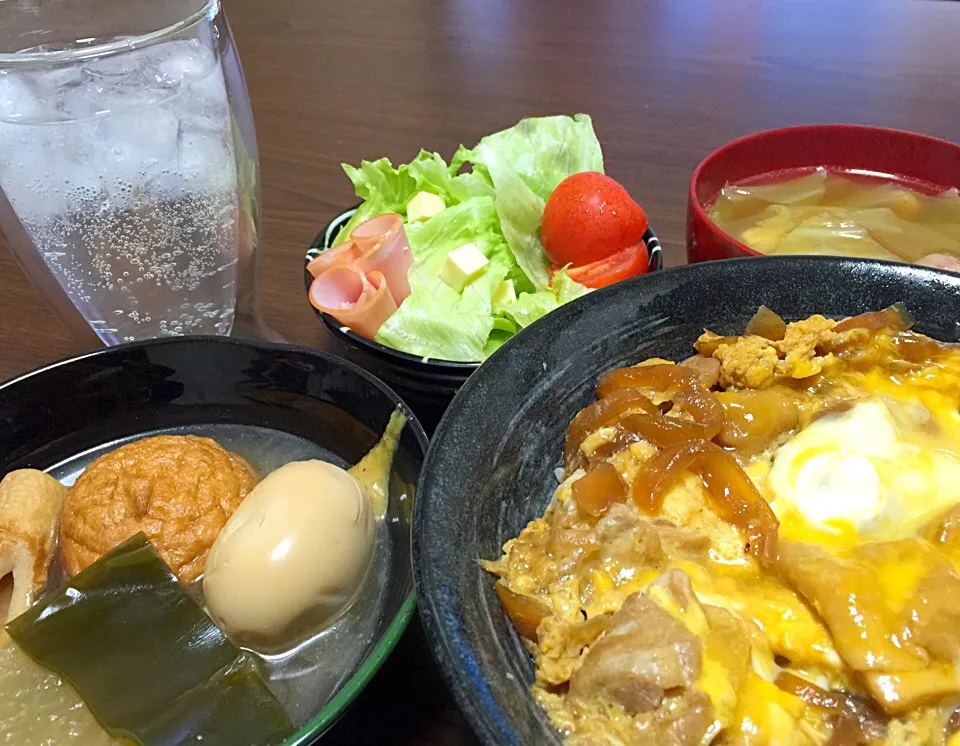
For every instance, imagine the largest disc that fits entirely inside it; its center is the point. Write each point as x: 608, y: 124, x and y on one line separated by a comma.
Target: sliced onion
x: 732, y: 494
x: 526, y: 612
x: 896, y: 318
x: 809, y: 693
x: 598, y: 489
x: 707, y: 369
x: 601, y: 413
x: 765, y: 323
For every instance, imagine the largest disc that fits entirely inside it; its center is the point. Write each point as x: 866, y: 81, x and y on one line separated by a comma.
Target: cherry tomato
x: 626, y: 263
x: 589, y: 217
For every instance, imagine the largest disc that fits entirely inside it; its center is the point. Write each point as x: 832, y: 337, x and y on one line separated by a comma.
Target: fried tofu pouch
x: 179, y: 490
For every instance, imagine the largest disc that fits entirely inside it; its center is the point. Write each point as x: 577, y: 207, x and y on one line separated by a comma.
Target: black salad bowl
x: 490, y: 466
x: 427, y: 384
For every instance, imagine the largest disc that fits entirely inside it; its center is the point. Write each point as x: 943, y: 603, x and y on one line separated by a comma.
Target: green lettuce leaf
x: 520, y: 211
x: 542, y: 151
x: 566, y: 289
x: 435, y: 321
x: 525, y: 163
x: 498, y: 338
x: 432, y: 174
x: 393, y: 186
x: 384, y: 188
x: 474, y: 221
x: 530, y: 307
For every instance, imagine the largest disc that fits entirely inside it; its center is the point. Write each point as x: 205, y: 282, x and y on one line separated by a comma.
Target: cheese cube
x: 463, y: 265
x: 504, y: 294
x: 424, y: 205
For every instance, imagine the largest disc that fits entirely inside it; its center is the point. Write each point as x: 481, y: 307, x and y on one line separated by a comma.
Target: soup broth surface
x: 844, y: 213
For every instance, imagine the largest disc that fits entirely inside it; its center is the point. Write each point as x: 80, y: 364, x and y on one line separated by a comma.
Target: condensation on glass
x: 128, y: 165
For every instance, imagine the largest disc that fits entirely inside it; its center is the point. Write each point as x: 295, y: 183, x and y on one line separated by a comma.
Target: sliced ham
x: 345, y: 253
x: 357, y: 300
x: 384, y: 248
x: 362, y: 281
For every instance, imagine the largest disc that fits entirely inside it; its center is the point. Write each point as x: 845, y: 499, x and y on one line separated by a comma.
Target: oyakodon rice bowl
x: 753, y: 547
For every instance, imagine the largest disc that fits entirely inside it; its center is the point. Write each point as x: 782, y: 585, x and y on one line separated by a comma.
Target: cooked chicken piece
x: 570, y: 537
x: 648, y: 664
x: 643, y: 653
x: 725, y: 647
x: 900, y: 692
x: 933, y: 614
x: 847, y: 594
x: 628, y: 537
x: 679, y: 541
x: 685, y: 721
x: 560, y: 645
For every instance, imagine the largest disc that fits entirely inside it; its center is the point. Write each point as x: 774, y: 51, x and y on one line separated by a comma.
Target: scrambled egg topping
x: 664, y: 628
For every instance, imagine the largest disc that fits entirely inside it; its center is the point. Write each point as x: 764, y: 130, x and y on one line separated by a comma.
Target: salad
x: 450, y: 260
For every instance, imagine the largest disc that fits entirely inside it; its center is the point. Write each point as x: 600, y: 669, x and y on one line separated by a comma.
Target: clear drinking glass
x: 128, y: 165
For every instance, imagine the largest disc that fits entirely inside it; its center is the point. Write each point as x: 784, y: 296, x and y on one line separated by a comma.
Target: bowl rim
x: 698, y: 207
x: 333, y: 710
x: 324, y: 241
x: 457, y: 668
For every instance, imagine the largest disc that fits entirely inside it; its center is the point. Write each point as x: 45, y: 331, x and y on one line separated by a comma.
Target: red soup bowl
x: 844, y: 146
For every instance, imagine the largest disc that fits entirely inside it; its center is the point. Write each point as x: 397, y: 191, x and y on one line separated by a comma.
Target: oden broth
x: 305, y: 677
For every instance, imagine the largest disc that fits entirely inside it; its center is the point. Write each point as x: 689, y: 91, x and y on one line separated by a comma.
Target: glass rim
x: 209, y: 8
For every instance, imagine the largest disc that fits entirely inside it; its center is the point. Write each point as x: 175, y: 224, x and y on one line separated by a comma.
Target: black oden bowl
x: 262, y: 401
x: 490, y: 467
x: 426, y: 383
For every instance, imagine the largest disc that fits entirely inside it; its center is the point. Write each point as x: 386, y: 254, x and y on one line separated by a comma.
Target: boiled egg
x: 292, y: 557
x: 876, y: 472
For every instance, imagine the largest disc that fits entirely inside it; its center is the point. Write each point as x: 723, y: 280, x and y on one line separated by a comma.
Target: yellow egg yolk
x: 876, y: 472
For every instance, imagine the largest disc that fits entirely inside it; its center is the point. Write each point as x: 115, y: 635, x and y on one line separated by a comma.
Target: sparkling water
x: 122, y: 172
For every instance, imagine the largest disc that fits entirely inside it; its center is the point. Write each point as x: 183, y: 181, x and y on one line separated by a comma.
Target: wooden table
x: 666, y: 81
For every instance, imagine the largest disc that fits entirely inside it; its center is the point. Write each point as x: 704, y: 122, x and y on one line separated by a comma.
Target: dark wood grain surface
x: 666, y: 81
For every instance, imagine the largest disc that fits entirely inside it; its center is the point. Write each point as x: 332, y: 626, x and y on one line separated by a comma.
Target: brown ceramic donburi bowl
x: 844, y: 146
